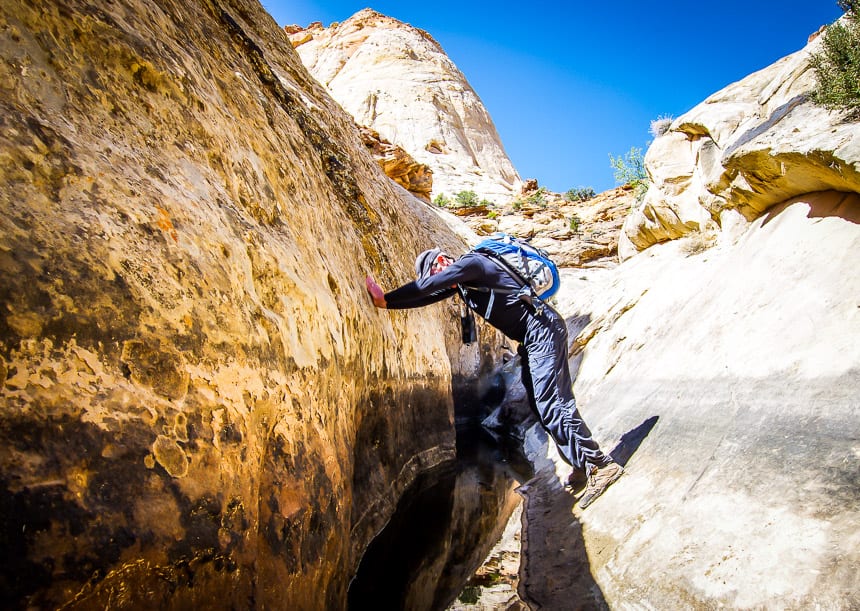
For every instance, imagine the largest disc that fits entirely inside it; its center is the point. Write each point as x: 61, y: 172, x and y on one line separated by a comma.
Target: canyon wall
x: 726, y: 379
x: 200, y: 408
x: 720, y: 362
x: 754, y: 144
x: 199, y: 405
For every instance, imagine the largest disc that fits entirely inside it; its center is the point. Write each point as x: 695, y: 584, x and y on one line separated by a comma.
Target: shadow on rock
x: 631, y: 440
x: 555, y: 571
x: 445, y: 525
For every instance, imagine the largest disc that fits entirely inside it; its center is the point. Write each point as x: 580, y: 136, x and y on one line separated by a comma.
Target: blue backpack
x: 531, y: 266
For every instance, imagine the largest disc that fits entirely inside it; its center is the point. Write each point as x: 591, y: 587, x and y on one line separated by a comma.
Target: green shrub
x: 574, y: 223
x: 837, y: 65
x: 630, y: 170
x: 466, y: 198
x: 537, y: 198
x: 442, y: 200
x: 579, y: 194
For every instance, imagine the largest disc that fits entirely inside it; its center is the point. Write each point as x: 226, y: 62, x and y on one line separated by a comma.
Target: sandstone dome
x: 397, y: 80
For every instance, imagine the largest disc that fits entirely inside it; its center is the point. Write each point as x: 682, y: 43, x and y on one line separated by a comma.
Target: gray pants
x: 546, y: 377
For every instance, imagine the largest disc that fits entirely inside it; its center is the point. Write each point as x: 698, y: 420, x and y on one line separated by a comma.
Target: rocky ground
x: 494, y: 585
x: 575, y: 233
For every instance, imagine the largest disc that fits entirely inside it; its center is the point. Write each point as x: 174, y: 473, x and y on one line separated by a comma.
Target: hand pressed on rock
x: 375, y: 291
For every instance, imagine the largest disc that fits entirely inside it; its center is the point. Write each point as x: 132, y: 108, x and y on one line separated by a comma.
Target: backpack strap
x: 526, y: 291
x: 481, y: 289
x: 520, y: 268
x: 500, y: 260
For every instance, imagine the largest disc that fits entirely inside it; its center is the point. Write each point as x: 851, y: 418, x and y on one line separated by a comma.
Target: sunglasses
x: 439, y: 264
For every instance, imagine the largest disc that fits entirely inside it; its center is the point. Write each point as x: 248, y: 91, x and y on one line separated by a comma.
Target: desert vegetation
x: 837, y: 65
x: 630, y: 170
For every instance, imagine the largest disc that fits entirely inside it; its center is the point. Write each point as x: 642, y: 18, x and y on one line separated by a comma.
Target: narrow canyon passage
x: 444, y: 527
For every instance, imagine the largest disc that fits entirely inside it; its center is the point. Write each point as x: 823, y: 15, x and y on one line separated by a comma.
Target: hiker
x: 493, y: 292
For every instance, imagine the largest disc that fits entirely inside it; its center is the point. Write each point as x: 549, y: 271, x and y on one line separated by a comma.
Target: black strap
x: 503, y: 263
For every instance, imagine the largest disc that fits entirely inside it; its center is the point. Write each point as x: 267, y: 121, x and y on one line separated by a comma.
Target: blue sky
x: 570, y: 83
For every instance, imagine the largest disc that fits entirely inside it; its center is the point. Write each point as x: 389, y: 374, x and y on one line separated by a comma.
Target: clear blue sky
x: 568, y: 83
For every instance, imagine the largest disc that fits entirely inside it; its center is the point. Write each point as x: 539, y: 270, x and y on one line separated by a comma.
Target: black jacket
x: 478, y: 275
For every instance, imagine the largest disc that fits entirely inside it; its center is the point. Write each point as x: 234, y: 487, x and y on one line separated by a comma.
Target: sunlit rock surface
x: 417, y: 178
x: 396, y: 79
x: 727, y: 381
x: 573, y: 233
x: 199, y: 406
x: 756, y: 143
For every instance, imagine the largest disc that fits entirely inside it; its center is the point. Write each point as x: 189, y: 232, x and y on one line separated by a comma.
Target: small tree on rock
x: 630, y: 170
x: 837, y: 65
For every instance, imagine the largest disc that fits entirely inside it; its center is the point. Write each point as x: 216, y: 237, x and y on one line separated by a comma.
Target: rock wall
x: 199, y: 406
x: 397, y: 80
x: 417, y: 178
x: 756, y: 143
x: 720, y: 363
x: 727, y: 380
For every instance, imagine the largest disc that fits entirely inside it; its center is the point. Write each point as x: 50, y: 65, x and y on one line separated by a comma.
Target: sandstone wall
x: 199, y: 406
x: 728, y: 380
x: 720, y: 363
x: 756, y: 143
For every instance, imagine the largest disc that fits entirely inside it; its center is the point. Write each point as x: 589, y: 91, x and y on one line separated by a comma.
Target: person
x: 491, y: 291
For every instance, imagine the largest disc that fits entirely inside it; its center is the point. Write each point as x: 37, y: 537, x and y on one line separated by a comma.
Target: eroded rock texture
x: 398, y: 80
x: 417, y: 178
x: 756, y: 143
x: 199, y: 406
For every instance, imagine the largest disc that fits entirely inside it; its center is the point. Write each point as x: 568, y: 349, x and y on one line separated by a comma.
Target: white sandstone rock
x: 396, y: 79
x: 758, y: 142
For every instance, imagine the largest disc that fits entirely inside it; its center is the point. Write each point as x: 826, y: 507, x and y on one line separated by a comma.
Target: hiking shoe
x: 598, y: 481
x: 575, y: 481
